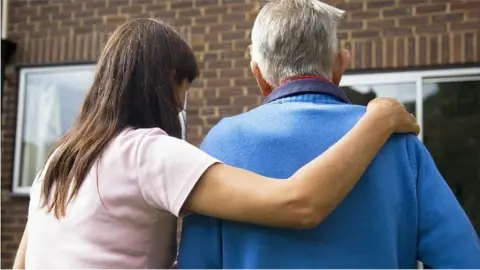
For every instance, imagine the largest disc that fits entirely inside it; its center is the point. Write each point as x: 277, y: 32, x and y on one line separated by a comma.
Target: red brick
x: 411, y: 51
x: 233, y: 35
x: 366, y: 34
x: 233, y: 17
x: 367, y: 14
x: 458, y: 5
x: 381, y: 24
x: 422, y: 42
x: 219, y: 64
x: 92, y: 4
x: 351, y: 25
x: 373, y: 4
x: 431, y: 8
x: 232, y: 55
x: 219, y: 82
x: 431, y: 29
x: 241, y: 8
x: 401, y: 53
x: 450, y: 17
x: 352, y: 6
x: 397, y: 31
x: 156, y: 7
x: 378, y: 52
x: 445, y: 48
x: 245, y: 100
x: 434, y: 50
x: 413, y: 21
x: 130, y: 10
x: 179, y: 4
x: 461, y: 26
x: 230, y: 91
x: 457, y: 56
x: 469, y: 47
x: 368, y: 54
x: 214, y: 28
x: 393, y: 12
x: 358, y: 56
x: 245, y: 82
x: 390, y: 50
x: 216, y: 10
x: 188, y: 13
x: 473, y: 15
x: 207, y: 20
x: 221, y: 46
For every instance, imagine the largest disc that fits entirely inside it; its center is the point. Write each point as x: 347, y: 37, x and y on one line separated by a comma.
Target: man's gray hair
x: 295, y: 37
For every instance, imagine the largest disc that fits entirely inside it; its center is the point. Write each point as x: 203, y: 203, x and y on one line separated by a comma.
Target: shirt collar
x: 306, y: 85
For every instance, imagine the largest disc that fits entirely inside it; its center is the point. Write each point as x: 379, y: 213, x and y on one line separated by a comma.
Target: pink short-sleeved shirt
x: 124, y: 215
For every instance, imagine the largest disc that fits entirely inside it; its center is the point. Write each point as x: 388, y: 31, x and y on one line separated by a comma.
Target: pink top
x: 143, y: 177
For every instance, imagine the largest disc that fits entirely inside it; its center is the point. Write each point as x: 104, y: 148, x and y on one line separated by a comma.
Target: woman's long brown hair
x: 134, y: 86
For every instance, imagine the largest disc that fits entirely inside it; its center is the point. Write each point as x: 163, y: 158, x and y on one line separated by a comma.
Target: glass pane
x: 362, y: 94
x: 52, y: 101
x: 451, y: 129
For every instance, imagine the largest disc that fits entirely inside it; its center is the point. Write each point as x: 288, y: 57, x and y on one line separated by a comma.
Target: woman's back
x: 108, y: 224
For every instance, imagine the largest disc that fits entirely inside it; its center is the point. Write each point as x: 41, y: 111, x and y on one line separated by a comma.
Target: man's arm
x: 446, y: 238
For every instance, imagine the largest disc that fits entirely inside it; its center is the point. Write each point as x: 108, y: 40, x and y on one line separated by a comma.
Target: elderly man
x: 401, y: 210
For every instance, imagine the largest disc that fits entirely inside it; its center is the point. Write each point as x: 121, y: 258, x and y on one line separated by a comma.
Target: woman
x: 108, y: 195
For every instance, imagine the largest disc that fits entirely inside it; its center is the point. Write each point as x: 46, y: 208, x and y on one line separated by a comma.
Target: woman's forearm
x: 323, y: 183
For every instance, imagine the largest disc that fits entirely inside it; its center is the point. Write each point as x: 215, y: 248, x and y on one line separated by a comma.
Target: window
x: 447, y: 106
x: 49, y: 100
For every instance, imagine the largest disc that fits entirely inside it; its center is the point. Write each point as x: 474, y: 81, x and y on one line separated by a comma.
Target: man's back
x: 400, y: 211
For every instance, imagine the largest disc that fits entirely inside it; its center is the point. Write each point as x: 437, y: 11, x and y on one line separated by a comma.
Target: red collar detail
x: 302, y: 77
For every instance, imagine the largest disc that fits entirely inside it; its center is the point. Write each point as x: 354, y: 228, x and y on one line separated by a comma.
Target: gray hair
x: 295, y: 37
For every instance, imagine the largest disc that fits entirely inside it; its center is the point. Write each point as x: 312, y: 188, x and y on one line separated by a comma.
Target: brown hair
x: 134, y: 86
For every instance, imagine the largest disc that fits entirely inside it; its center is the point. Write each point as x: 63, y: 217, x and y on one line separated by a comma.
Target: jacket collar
x: 306, y: 85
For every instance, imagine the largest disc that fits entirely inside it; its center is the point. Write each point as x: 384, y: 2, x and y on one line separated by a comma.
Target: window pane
x: 362, y: 94
x: 52, y: 101
x: 452, y: 135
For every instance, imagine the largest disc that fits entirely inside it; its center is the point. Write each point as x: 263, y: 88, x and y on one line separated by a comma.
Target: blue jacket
x: 401, y: 210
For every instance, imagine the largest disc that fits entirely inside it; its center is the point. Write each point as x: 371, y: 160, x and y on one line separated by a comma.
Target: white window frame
x: 418, y: 77
x: 23, y: 73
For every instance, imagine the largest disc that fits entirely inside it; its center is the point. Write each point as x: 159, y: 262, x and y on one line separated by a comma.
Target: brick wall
x: 379, y: 33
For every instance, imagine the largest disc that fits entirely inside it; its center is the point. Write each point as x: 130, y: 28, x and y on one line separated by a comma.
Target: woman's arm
x: 314, y: 190
x: 19, y: 262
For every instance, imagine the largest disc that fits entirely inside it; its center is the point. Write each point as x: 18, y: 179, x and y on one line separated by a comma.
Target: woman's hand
x: 393, y: 114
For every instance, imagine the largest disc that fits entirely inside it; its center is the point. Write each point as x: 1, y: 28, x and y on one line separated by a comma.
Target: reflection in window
x: 361, y: 95
x: 452, y: 135
x: 52, y: 101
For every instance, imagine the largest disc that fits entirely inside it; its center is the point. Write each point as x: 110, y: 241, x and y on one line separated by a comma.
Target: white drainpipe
x: 4, y: 18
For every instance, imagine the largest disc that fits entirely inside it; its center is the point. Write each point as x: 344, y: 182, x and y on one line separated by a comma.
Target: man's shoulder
x: 234, y: 123
x: 223, y: 132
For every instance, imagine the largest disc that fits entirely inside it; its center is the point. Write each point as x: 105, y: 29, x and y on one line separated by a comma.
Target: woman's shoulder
x: 139, y: 133
x: 139, y: 136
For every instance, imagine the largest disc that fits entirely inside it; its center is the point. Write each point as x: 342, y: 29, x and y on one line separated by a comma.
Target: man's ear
x: 265, y: 88
x: 340, y: 65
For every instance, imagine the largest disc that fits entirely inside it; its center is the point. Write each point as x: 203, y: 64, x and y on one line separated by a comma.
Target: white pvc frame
x: 24, y: 72
x: 416, y: 77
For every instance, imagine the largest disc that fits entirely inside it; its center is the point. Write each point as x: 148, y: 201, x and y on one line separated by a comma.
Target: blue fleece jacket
x: 400, y: 211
